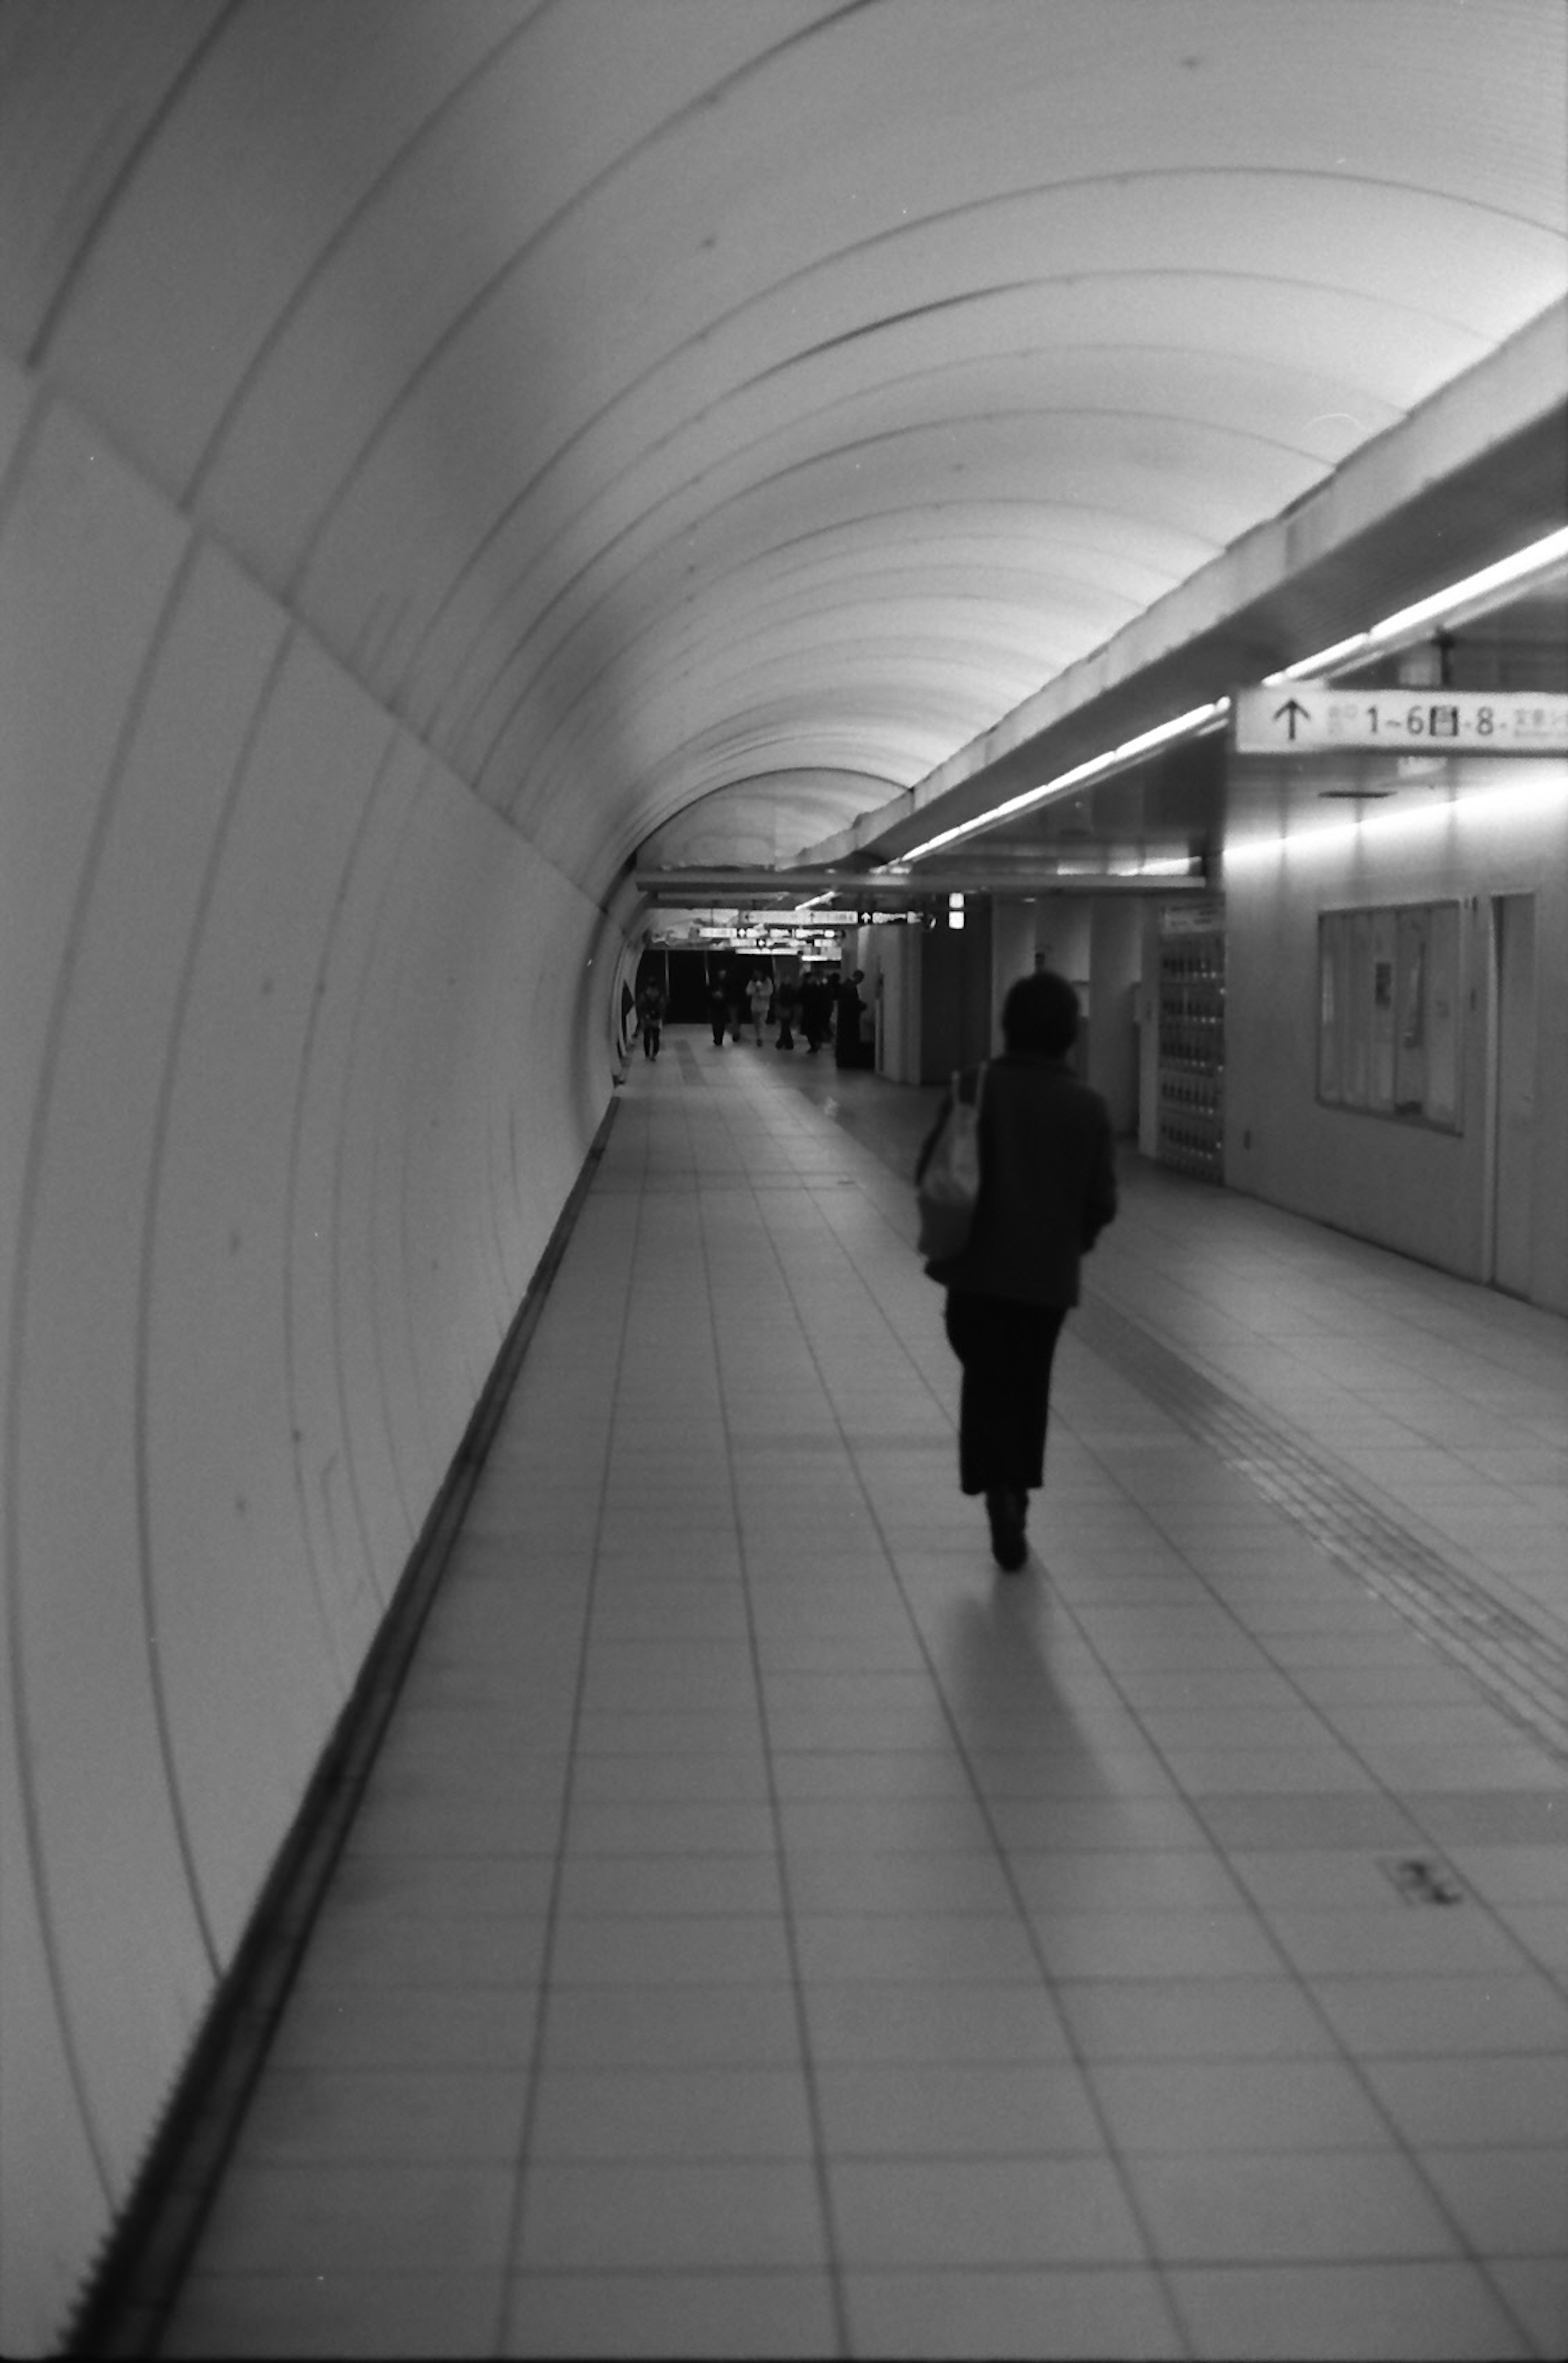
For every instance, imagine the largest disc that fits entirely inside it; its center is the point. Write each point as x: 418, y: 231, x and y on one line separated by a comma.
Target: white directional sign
x: 1306, y: 719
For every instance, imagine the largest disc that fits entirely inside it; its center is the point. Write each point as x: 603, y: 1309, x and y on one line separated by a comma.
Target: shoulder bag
x: 950, y: 1186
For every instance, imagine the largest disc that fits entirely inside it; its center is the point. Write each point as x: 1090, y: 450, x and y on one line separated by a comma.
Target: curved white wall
x: 302, y: 1053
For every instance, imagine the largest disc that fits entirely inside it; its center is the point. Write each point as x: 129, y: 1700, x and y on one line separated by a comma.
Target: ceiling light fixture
x: 1535, y: 558
x: 1191, y: 725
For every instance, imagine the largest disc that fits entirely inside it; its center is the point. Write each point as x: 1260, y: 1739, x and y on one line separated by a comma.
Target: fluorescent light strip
x: 1529, y: 560
x: 1324, y: 661
x: 1518, y: 802
x: 1534, y: 558
x: 1189, y: 725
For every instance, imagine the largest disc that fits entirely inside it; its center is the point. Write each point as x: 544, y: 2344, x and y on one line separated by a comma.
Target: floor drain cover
x: 1421, y: 1879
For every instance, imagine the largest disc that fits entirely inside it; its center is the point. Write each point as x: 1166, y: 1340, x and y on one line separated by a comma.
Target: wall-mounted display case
x: 1192, y: 1042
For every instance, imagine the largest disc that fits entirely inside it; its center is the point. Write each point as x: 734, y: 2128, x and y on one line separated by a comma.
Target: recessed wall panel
x: 134, y: 1959
x: 355, y: 1551
x: 250, y: 1679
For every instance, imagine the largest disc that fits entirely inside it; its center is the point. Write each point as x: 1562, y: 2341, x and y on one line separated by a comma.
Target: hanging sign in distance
x: 1305, y: 718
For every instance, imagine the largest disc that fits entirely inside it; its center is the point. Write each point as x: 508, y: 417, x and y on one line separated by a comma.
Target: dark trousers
x: 1005, y: 1350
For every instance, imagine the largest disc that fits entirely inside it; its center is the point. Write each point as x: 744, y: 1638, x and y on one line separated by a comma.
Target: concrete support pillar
x: 1115, y: 959
x: 1061, y: 937
x: 1013, y: 932
x: 898, y: 1053
x: 956, y: 1012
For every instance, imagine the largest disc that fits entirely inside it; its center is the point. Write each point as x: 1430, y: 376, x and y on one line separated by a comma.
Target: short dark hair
x: 1040, y: 1012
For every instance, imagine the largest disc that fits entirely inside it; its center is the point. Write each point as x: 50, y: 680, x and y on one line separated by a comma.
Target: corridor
x: 765, y: 1929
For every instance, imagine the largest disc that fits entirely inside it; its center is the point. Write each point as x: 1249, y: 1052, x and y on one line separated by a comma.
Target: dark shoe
x: 1006, y: 1508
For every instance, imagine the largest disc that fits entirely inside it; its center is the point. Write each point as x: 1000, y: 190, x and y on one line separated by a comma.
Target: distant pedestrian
x: 759, y: 994
x: 846, y: 1020
x: 1047, y: 1190
x: 651, y: 1017
x: 718, y: 1010
x: 785, y: 1006
x: 816, y: 1013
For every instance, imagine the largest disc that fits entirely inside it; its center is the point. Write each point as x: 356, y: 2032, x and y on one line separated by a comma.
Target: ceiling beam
x: 732, y: 887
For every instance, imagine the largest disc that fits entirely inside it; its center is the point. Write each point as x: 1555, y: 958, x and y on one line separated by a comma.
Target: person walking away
x: 1047, y: 1190
x: 784, y: 1009
x: 718, y: 1010
x: 847, y: 1021
x: 759, y: 994
x: 651, y: 1017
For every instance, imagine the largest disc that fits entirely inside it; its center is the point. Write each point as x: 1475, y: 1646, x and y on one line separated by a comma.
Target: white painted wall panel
x: 106, y: 1815
x: 246, y: 1667
x: 370, y: 934
x: 362, y: 78
x: 16, y: 398
x: 104, y: 70
x: 355, y: 1533
x: 72, y: 528
x: 87, y: 551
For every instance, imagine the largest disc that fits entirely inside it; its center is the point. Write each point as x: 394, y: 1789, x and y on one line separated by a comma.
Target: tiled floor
x: 769, y: 1931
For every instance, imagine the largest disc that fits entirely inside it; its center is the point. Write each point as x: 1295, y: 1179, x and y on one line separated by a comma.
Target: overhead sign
x: 1305, y: 718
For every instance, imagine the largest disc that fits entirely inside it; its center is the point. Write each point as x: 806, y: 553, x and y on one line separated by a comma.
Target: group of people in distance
x: 822, y: 1007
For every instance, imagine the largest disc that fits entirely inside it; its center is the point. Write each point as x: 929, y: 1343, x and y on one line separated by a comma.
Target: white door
x: 1513, y: 931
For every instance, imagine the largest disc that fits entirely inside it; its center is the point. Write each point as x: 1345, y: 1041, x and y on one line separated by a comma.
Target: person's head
x: 1040, y: 1013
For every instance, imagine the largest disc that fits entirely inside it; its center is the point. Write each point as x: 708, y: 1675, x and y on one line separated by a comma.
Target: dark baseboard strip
x: 127, y: 2299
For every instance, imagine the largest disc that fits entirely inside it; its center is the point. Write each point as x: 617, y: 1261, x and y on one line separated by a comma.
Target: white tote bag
x: 950, y: 1186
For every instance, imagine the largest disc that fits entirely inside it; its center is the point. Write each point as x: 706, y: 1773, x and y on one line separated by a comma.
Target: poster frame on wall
x: 1390, y: 995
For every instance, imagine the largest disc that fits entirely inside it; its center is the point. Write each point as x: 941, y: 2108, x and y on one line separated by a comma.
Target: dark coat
x: 1047, y: 1181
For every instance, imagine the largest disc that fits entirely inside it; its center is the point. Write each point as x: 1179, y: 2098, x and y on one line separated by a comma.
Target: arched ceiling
x: 750, y: 401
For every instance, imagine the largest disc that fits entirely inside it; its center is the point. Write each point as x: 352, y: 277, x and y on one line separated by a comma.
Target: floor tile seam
x: 1289, y: 1967
x: 1020, y: 1916
x: 1504, y: 1669
x: 329, y: 1845
x: 1307, y: 1469
x: 1284, y: 1470
x: 1492, y: 1617
x: 826, y: 2207
x: 889, y: 1332
x: 1304, y: 1983
x: 951, y: 2153
x: 519, y: 2164
x: 1301, y: 1473
x: 1091, y: 2268
x: 309, y: 1897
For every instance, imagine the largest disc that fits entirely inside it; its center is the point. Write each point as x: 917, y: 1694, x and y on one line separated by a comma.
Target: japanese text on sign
x: 1302, y: 719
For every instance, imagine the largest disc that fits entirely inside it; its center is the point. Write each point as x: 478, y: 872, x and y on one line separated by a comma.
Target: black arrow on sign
x: 1294, y: 708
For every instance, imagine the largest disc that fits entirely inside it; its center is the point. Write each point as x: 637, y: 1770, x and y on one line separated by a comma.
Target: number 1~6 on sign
x: 1300, y: 718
